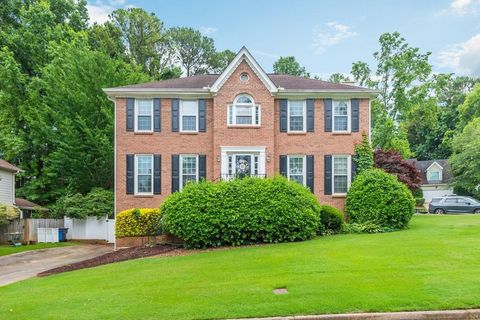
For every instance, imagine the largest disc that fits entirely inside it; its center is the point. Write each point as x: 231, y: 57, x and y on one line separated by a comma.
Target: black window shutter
x: 327, y: 104
x: 157, y: 174
x: 130, y: 114
x: 310, y: 115
x: 328, y: 174
x: 355, y: 104
x: 283, y: 115
x: 283, y: 165
x: 175, y: 172
x: 130, y: 173
x: 175, y: 115
x: 310, y: 173
x: 353, y: 168
x: 202, y: 167
x: 157, y: 115
x: 202, y: 115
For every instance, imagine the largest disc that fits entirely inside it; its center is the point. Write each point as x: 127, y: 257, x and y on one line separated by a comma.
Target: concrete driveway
x: 27, y: 264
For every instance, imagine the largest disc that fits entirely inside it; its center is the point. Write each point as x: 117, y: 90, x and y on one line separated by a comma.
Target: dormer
x: 434, y: 172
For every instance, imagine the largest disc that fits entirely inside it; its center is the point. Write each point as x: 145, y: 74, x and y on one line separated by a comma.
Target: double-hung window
x: 144, y: 115
x: 144, y: 174
x: 244, y: 112
x: 189, y: 115
x: 341, y: 115
x: 297, y: 115
x: 189, y: 169
x: 341, y: 174
x: 297, y: 169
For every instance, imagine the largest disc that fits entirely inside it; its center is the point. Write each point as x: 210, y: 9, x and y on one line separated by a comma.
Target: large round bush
x: 242, y: 211
x: 331, y: 219
x: 138, y: 222
x: 378, y: 197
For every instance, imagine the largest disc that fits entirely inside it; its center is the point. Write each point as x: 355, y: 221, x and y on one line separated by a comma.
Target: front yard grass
x: 8, y: 249
x: 433, y: 265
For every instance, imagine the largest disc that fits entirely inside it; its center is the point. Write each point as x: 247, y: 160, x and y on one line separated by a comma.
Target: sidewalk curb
x: 469, y: 314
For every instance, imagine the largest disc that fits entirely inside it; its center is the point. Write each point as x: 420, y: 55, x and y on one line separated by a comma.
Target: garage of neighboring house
x: 436, y: 177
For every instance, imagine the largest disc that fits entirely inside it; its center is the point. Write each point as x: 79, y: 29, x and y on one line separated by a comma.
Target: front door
x: 243, y: 165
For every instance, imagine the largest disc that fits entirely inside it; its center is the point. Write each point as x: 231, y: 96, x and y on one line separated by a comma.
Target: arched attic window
x: 244, y: 111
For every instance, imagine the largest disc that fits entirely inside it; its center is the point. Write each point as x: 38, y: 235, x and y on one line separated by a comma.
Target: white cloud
x: 462, y: 58
x: 462, y: 7
x: 207, y: 30
x: 99, y: 13
x: 330, y: 34
x: 99, y: 10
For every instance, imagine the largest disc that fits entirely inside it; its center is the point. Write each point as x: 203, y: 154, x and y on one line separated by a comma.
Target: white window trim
x: 433, y: 170
x: 180, y: 164
x: 349, y: 115
x: 304, y: 116
x: 182, y: 114
x: 349, y: 172
x: 260, y: 151
x: 135, y: 175
x: 233, y: 116
x: 136, y: 115
x: 304, y: 157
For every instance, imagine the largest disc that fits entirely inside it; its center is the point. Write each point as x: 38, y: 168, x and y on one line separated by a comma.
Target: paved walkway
x: 27, y: 264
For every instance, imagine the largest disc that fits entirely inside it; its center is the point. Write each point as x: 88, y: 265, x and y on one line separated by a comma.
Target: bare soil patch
x: 116, y: 256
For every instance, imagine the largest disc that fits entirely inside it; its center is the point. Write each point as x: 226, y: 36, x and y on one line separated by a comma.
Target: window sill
x: 339, y: 195
x: 299, y: 133
x: 342, y: 133
x: 143, y: 133
x: 240, y: 126
x: 143, y: 196
x: 189, y: 132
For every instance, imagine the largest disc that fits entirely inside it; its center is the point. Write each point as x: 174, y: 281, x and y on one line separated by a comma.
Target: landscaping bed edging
x: 469, y: 314
x: 130, y: 242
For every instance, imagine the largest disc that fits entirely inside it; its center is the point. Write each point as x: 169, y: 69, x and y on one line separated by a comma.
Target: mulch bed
x: 116, y: 256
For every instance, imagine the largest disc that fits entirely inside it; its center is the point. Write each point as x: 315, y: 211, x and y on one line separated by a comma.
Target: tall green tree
x: 146, y: 42
x: 465, y: 161
x: 220, y: 60
x: 338, y: 77
x: 399, y: 67
x: 193, y: 51
x: 289, y: 65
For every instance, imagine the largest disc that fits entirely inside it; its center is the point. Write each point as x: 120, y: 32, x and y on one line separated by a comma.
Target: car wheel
x: 476, y: 211
x: 439, y: 211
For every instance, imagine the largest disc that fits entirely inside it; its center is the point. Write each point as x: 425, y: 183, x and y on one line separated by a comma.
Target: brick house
x: 241, y: 122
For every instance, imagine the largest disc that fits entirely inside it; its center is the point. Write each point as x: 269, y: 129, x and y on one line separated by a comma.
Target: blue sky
x: 325, y: 36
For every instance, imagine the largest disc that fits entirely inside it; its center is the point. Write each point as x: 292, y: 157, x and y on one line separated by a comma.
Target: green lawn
x: 433, y: 265
x: 7, y: 249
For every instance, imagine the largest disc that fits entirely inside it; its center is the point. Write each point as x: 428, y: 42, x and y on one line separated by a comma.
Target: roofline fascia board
x: 434, y: 162
x: 325, y: 94
x: 158, y: 93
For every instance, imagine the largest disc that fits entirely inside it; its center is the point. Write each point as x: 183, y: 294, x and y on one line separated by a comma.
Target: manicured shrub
x: 379, y: 198
x: 138, y: 222
x: 367, y: 227
x: 242, y: 211
x: 331, y: 219
x: 419, y: 202
x: 8, y: 213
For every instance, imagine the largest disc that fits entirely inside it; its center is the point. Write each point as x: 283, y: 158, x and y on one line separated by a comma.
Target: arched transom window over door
x: 244, y: 111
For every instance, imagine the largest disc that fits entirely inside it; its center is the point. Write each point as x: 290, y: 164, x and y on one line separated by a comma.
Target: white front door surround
x: 247, y: 159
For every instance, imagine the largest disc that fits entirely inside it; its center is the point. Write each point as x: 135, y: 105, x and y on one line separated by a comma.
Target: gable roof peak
x: 243, y: 55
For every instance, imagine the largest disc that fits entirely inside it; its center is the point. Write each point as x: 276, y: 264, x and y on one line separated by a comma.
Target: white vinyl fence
x: 91, y: 228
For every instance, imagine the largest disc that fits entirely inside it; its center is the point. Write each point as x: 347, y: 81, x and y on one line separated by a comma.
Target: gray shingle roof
x: 422, y: 166
x: 287, y: 82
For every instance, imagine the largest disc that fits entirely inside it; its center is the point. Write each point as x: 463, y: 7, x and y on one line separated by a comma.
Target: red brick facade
x: 218, y: 135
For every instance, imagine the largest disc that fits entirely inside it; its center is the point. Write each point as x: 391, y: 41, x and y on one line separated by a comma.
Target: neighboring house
x: 238, y: 123
x: 436, y: 176
x: 7, y: 189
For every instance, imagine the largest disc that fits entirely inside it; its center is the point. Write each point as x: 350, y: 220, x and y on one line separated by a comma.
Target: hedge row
x: 138, y: 222
x: 242, y: 211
